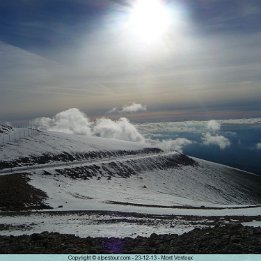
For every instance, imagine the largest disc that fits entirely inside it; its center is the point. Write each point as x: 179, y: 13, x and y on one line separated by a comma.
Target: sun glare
x: 149, y: 19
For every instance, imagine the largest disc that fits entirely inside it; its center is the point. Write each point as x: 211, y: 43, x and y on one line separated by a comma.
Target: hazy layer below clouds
x: 193, y: 126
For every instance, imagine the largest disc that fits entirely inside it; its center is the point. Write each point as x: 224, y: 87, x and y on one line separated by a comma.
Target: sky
x: 86, y: 54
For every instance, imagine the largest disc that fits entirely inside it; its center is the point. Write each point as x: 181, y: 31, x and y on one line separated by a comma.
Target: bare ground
x: 228, y: 239
x: 17, y: 194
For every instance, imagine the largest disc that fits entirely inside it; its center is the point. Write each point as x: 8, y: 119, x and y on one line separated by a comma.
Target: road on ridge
x: 80, y: 163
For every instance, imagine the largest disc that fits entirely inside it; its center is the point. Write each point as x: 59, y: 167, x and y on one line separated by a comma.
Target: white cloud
x: 221, y: 141
x: 242, y: 121
x: 258, y: 145
x: 71, y: 121
x: 121, y: 129
x: 209, y: 129
x: 212, y: 138
x: 134, y: 107
x: 170, y: 145
x: 112, y: 110
x: 213, y: 126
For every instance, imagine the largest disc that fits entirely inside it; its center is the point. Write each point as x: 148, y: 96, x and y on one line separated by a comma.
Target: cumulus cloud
x: 212, y: 138
x: 133, y: 107
x: 121, y: 129
x: 71, y: 121
x: 213, y: 126
x: 171, y: 145
x: 258, y: 145
x: 218, y: 140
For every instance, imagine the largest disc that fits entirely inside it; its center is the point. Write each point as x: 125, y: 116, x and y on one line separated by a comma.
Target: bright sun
x: 149, y: 19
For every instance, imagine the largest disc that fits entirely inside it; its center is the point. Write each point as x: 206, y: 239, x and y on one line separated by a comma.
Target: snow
x: 94, y: 225
x: 201, y: 190
x: 51, y: 142
x: 107, y: 224
x: 252, y: 224
x: 208, y: 185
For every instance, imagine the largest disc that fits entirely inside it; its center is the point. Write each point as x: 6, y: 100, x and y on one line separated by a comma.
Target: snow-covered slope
x: 39, y: 142
x: 92, y: 173
x: 147, y: 182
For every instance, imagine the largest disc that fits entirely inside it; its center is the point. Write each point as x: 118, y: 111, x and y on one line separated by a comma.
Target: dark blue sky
x: 47, y: 24
x: 78, y: 52
x: 230, y: 16
x: 51, y: 23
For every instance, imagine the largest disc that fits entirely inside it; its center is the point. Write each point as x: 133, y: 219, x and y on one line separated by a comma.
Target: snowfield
x: 83, y: 177
x: 56, y: 142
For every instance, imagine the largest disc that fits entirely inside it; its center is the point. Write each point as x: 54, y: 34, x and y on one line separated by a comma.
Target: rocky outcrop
x: 5, y: 129
x: 17, y: 194
x: 127, y: 168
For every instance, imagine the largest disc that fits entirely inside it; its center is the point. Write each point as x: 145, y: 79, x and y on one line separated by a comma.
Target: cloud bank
x: 258, y: 145
x: 73, y: 121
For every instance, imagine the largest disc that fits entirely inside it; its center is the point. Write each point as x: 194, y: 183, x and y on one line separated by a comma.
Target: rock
x: 235, y: 239
x: 217, y: 240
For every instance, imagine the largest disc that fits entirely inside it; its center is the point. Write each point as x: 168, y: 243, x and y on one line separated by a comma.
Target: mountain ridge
x: 69, y: 176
